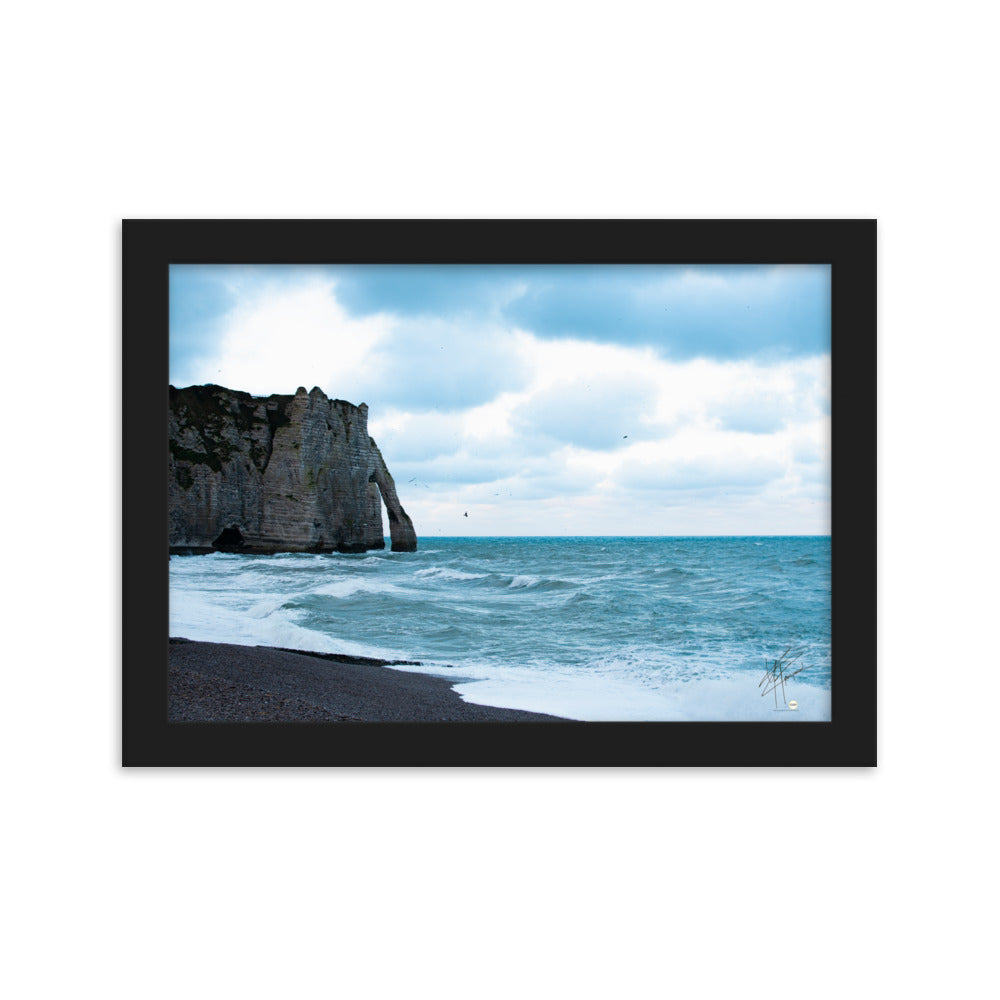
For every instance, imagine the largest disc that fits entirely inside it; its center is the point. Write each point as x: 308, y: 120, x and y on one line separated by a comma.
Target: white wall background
x: 499, y: 883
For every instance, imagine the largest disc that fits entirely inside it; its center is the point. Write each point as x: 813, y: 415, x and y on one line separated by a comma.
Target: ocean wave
x: 445, y: 632
x: 446, y: 573
x: 516, y: 581
x: 674, y: 572
x: 351, y: 586
x: 266, y: 608
x: 525, y: 581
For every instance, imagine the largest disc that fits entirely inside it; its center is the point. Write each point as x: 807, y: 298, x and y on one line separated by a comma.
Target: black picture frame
x: 151, y: 246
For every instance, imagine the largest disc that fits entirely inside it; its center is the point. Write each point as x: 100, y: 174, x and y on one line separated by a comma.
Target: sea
x: 592, y: 629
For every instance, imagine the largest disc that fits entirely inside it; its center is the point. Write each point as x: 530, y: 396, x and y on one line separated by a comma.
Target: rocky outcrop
x: 277, y: 474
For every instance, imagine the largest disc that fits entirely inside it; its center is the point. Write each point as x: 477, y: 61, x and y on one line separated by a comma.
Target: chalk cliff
x: 277, y: 474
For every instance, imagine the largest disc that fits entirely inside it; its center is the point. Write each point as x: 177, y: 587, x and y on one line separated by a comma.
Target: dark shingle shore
x: 219, y: 682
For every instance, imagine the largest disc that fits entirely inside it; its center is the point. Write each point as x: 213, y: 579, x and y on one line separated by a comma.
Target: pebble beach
x: 223, y: 682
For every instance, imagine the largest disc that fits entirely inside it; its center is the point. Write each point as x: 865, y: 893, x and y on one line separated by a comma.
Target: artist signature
x: 779, y: 672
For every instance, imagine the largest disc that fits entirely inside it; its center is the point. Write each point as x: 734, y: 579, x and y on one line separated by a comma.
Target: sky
x: 547, y: 399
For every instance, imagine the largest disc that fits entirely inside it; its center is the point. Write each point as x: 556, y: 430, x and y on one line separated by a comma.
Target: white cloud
x: 284, y: 336
x: 416, y: 437
x: 439, y: 364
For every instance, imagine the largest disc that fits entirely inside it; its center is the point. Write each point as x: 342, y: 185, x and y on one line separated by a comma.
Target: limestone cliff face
x: 277, y: 474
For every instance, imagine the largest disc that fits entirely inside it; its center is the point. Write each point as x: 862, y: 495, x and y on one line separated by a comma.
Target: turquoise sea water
x: 612, y: 629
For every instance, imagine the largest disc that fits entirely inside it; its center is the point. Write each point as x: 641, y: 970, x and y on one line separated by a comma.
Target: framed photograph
x: 494, y: 493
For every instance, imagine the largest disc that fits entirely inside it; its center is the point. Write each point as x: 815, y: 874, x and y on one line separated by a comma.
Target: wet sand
x: 219, y: 682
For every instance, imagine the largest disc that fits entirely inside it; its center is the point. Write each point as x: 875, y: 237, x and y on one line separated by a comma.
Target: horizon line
x: 600, y: 535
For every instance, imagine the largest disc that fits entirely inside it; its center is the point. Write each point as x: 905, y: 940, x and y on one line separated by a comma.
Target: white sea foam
x: 190, y: 618
x: 603, y: 700
x: 603, y: 697
x: 523, y: 581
